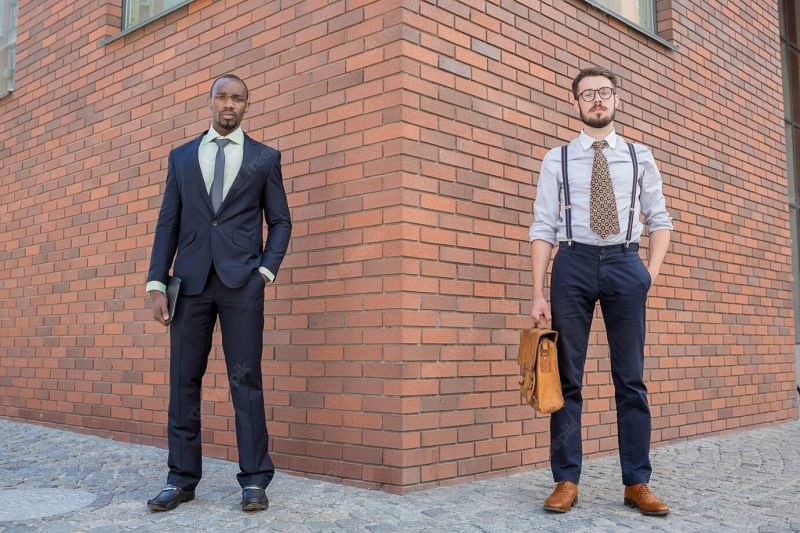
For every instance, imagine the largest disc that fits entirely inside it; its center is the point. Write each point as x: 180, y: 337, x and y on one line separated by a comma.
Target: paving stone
x: 24, y: 504
x: 747, y: 481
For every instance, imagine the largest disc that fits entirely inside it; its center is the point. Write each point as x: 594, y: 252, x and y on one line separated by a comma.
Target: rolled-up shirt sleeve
x: 547, y: 207
x: 651, y: 196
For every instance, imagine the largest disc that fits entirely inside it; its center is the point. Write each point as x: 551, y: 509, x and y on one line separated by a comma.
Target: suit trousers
x: 241, y: 317
x: 616, y: 276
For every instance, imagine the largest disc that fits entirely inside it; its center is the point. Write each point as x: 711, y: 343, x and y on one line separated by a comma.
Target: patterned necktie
x: 219, y: 174
x: 603, y: 215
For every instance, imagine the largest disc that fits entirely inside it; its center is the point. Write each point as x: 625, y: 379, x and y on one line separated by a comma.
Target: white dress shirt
x: 234, y: 152
x: 549, y: 213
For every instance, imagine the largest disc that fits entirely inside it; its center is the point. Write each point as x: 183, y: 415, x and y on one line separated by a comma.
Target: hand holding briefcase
x: 538, y: 361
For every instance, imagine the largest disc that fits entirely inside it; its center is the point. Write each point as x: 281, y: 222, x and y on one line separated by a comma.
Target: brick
x: 411, y: 137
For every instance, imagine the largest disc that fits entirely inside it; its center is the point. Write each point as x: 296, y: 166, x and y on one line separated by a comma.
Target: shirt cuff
x: 538, y: 233
x: 659, y: 225
x: 266, y: 272
x: 156, y: 286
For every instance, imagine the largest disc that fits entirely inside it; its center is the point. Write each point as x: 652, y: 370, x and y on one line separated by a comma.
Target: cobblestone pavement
x: 747, y: 481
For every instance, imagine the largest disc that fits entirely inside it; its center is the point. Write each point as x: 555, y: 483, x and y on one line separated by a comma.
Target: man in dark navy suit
x: 220, y: 189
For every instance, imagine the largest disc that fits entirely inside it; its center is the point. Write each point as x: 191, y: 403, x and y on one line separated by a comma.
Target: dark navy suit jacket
x: 189, y: 232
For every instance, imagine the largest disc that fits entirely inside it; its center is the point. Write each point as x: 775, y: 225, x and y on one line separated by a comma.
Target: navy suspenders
x: 632, y: 150
x: 568, y: 204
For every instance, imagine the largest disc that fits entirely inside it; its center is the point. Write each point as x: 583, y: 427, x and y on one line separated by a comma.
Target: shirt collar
x: 586, y: 140
x: 236, y: 136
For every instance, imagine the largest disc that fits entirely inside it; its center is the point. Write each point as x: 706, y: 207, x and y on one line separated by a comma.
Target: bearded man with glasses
x: 590, y: 197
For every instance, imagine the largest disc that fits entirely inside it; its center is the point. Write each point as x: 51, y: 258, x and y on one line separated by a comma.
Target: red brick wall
x: 411, y: 134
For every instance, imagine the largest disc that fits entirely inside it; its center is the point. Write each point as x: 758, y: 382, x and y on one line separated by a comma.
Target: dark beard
x: 598, y: 123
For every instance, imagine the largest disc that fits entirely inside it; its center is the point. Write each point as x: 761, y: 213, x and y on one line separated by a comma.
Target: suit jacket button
x: 214, y: 223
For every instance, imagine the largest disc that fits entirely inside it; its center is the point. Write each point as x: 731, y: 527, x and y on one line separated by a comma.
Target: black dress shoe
x: 254, y: 498
x: 169, y: 498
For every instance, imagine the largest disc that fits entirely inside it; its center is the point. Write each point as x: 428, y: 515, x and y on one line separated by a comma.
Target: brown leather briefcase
x: 538, y: 361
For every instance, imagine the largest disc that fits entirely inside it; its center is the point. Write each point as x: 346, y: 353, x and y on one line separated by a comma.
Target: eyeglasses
x: 589, y: 94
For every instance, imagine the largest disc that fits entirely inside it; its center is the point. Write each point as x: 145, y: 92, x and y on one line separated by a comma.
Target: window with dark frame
x: 653, y: 18
x: 639, y: 12
x: 138, y: 12
x: 8, y: 44
x: 789, y: 11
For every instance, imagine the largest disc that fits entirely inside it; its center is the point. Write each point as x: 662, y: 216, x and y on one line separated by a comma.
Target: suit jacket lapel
x: 195, y: 174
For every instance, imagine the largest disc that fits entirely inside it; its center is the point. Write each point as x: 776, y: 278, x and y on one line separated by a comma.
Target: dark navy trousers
x: 616, y: 276
x: 241, y: 318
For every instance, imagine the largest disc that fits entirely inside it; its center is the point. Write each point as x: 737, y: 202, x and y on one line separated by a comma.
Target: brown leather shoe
x: 564, y: 496
x: 641, y: 497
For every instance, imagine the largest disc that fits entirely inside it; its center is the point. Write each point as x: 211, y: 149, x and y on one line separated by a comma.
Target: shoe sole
x: 632, y: 505
x: 157, y: 507
x: 561, y: 509
x: 254, y: 506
